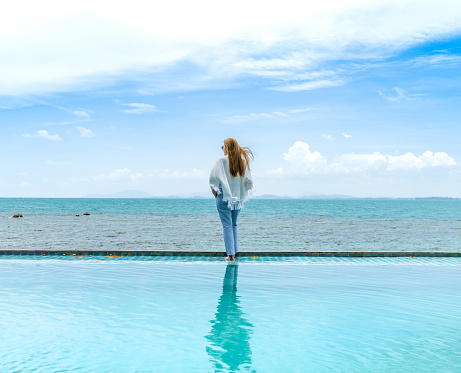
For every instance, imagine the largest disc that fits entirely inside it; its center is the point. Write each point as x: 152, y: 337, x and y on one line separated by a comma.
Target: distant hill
x: 320, y: 196
x: 437, y: 198
x: 204, y: 195
x: 270, y: 196
x: 327, y: 196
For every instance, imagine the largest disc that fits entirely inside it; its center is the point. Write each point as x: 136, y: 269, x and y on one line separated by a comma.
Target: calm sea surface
x: 264, y: 225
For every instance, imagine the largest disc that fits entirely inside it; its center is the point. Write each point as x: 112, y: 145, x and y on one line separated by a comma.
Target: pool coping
x: 343, y: 254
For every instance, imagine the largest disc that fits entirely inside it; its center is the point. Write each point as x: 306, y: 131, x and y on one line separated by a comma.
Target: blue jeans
x: 229, y: 225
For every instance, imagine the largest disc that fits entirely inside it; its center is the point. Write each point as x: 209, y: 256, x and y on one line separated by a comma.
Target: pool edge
x: 129, y: 253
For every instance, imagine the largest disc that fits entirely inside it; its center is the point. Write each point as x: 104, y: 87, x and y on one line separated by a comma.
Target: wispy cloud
x: 124, y: 45
x: 345, y: 135
x: 438, y: 60
x: 44, y: 135
x: 327, y: 137
x: 296, y: 111
x: 56, y: 163
x: 79, y: 115
x: 85, y: 132
x: 311, y: 85
x: 399, y: 96
x: 263, y: 116
x: 127, y: 175
x: 140, y: 108
x: 295, y: 67
x: 120, y: 175
x: 194, y: 174
x: 252, y: 116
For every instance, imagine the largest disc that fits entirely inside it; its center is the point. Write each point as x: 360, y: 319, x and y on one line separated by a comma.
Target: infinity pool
x: 146, y: 316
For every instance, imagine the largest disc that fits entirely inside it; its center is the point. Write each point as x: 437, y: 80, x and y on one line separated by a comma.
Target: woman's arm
x: 247, y: 180
x: 214, y: 178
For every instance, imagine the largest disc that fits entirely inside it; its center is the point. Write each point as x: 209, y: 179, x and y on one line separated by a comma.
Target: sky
x: 358, y: 98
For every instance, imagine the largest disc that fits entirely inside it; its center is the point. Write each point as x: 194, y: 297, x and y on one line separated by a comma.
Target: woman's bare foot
x: 230, y: 257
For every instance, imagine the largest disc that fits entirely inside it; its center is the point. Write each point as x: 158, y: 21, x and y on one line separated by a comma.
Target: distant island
x: 201, y: 195
x: 315, y: 196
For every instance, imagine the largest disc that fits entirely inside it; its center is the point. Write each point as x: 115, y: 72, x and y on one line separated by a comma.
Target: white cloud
x: 140, y: 108
x: 437, y: 159
x: 85, y: 132
x: 45, y: 135
x: 358, y: 163
x: 378, y: 161
x: 121, y: 175
x: 81, y: 113
x: 399, y: 96
x: 301, y: 160
x: 345, y: 135
x: 46, y: 50
x: 327, y: 137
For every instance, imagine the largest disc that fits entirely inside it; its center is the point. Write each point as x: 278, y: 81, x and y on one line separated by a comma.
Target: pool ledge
x: 241, y: 255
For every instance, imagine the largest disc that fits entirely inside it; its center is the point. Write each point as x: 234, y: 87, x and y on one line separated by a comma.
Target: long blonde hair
x: 238, y: 157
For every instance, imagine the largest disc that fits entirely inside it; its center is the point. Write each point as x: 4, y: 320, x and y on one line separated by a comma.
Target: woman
x: 230, y: 182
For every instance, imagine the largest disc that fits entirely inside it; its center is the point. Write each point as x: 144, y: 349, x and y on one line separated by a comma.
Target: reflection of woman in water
x: 229, y: 338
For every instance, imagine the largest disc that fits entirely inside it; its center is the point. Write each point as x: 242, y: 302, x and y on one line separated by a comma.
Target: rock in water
x: 17, y: 216
x: 86, y: 213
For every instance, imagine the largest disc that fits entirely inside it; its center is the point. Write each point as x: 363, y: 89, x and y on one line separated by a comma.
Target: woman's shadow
x: 229, y: 338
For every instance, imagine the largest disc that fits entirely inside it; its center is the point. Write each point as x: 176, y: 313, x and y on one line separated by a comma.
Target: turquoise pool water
x: 152, y: 316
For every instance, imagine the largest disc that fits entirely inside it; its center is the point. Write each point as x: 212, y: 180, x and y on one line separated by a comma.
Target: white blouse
x: 235, y: 190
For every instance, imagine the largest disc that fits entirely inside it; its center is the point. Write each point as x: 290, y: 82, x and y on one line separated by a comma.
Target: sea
x: 275, y: 225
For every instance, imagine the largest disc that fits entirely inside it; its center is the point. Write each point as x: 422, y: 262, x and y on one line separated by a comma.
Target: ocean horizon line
x: 259, y: 197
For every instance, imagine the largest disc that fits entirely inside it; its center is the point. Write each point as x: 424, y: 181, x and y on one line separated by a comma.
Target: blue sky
x: 352, y: 97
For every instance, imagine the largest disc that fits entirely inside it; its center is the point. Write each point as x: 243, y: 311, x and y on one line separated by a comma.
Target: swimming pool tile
x: 330, y: 258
